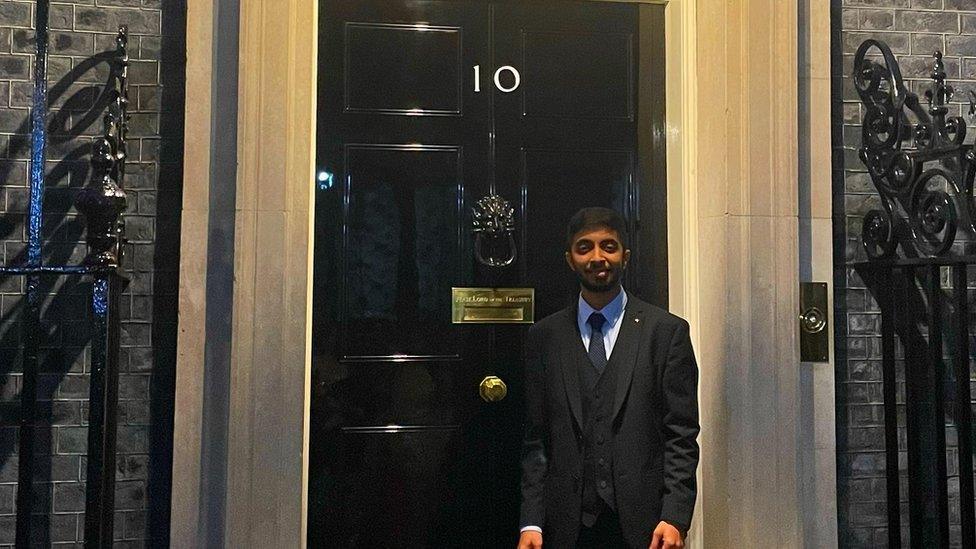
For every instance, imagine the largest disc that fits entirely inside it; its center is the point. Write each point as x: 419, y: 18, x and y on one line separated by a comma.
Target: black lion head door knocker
x: 494, y: 227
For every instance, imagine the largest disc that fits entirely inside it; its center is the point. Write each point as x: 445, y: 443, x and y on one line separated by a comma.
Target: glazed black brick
x: 136, y: 412
x: 961, y: 45
x: 143, y: 72
x: 109, y: 19
x: 15, y: 14
x: 61, y: 17
x: 876, y: 19
x: 139, y: 228
x: 968, y: 23
x: 927, y: 44
x: 135, y: 525
x: 927, y: 21
x: 149, y: 47
x: 14, y: 67
x: 899, y: 42
x: 144, y: 124
x: 69, y: 497
x: 129, y: 494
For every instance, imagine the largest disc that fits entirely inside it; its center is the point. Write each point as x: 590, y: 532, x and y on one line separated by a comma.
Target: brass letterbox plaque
x: 492, y: 305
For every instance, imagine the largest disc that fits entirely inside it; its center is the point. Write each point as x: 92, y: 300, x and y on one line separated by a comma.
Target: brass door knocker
x: 493, y: 219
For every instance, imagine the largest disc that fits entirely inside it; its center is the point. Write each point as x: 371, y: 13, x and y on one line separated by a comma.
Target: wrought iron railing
x: 919, y: 246
x: 102, y: 203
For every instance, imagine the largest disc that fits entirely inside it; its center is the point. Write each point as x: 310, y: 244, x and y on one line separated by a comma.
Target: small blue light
x: 325, y: 180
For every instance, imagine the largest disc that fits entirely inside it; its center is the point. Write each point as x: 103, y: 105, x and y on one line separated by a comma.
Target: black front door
x: 414, y: 128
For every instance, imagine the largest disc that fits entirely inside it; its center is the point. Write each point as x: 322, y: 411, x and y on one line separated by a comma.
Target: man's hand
x: 530, y: 539
x: 666, y: 537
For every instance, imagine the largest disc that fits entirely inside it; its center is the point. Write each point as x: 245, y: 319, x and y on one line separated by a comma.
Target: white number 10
x: 498, y: 81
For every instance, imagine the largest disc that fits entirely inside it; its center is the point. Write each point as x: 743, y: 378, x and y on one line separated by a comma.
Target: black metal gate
x: 102, y: 203
x: 921, y: 246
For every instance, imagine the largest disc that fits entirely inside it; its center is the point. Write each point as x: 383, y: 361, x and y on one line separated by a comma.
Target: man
x: 609, y: 452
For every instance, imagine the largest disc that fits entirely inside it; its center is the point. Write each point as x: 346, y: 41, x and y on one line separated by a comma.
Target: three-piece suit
x: 620, y: 439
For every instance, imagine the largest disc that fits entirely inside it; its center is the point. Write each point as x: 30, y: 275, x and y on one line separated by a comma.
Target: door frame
x: 242, y: 401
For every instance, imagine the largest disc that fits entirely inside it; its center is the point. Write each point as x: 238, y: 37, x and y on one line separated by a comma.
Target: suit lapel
x: 624, y: 355
x: 572, y: 349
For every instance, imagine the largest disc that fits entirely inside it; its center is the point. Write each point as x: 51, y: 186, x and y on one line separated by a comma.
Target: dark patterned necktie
x: 598, y: 351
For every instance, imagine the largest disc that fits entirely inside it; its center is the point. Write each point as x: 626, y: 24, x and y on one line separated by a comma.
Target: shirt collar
x: 612, y: 311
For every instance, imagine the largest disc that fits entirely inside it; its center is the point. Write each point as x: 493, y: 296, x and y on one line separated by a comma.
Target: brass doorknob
x: 492, y: 389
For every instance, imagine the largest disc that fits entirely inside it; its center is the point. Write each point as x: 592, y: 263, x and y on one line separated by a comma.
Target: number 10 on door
x: 498, y: 80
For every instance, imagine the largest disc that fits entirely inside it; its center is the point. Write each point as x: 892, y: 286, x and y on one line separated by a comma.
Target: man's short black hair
x: 596, y: 217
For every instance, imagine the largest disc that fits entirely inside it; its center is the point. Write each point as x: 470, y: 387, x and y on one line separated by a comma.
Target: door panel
x: 578, y: 74
x: 376, y: 82
x: 389, y: 478
x: 403, y: 451
x: 402, y: 251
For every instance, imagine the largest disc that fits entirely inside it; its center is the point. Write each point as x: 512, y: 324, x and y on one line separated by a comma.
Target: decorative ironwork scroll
x: 493, y: 220
x: 915, y: 156
x: 104, y: 201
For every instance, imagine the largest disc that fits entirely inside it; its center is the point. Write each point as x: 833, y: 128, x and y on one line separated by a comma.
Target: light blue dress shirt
x: 614, y: 313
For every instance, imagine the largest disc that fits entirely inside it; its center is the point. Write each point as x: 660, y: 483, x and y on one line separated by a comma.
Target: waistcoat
x: 596, y: 395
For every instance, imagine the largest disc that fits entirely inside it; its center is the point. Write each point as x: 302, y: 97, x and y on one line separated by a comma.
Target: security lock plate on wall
x: 814, y: 335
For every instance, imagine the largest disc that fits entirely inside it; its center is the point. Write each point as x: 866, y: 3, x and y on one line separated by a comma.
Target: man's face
x: 598, y: 258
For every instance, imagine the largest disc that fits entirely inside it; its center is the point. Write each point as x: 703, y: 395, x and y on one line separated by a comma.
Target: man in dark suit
x: 609, y: 451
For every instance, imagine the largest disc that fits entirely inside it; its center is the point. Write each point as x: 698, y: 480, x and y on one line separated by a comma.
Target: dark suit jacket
x: 654, y: 427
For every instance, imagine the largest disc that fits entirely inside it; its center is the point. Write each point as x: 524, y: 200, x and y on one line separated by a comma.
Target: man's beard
x: 613, y: 278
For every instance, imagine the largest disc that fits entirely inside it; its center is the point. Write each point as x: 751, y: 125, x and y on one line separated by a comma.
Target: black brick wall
x: 80, y: 30
x: 914, y: 29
